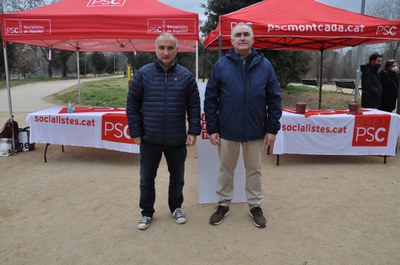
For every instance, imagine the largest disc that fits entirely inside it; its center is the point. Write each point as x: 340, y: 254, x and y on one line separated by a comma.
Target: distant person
x: 242, y: 109
x: 389, y: 77
x: 161, y: 96
x: 371, y: 87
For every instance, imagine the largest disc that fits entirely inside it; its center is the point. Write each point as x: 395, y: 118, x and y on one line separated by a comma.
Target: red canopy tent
x: 303, y: 25
x: 99, y: 25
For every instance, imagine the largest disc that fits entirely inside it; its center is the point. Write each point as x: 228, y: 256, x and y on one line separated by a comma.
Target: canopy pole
x: 398, y: 101
x: 204, y: 65
x: 9, y: 95
x: 197, y: 61
x: 220, y: 38
x: 320, y: 78
x: 219, y: 46
x: 359, y: 53
x: 79, y: 77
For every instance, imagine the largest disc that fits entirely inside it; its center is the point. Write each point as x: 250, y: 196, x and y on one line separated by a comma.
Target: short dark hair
x: 374, y: 56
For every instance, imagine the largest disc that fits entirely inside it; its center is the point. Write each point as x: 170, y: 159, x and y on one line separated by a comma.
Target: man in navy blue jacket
x: 161, y: 95
x: 242, y: 108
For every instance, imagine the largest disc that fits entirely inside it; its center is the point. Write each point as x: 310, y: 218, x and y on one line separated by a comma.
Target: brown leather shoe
x: 219, y: 215
x: 258, y: 217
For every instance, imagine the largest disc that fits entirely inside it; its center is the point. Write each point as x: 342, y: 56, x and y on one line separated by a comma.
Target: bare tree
x: 389, y: 9
x: 45, y: 53
x: 18, y: 5
x: 25, y: 61
x: 2, y: 6
x: 331, y: 61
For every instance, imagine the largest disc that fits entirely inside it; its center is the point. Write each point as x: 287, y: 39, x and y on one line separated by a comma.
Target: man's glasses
x: 244, y: 35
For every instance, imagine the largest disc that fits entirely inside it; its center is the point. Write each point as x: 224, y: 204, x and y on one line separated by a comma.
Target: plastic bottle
x: 70, y: 108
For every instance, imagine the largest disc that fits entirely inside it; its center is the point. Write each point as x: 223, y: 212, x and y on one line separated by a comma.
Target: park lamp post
x: 359, y: 53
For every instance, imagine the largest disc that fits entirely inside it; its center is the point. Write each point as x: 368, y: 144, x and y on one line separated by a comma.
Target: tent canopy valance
x: 305, y: 25
x: 106, y: 26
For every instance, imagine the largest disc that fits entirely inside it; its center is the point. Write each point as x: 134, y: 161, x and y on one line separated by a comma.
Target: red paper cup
x: 353, y: 108
x: 301, y: 107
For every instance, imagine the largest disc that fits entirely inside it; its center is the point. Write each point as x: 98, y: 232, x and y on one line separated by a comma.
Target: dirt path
x: 31, y: 97
x: 82, y: 208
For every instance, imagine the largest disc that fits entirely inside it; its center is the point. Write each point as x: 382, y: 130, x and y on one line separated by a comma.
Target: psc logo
x: 371, y: 130
x: 155, y: 26
x: 94, y: 3
x: 12, y: 30
x: 12, y: 27
x: 155, y: 29
x: 114, y: 128
x: 204, y: 134
x: 386, y: 30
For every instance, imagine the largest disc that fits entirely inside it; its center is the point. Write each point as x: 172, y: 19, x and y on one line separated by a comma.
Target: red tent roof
x: 99, y: 25
x: 304, y: 25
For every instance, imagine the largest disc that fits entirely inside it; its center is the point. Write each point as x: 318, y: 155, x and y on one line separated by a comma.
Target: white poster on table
x: 89, y: 127
x: 209, y: 165
x: 373, y: 132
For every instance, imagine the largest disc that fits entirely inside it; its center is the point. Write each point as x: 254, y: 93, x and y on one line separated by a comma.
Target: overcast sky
x: 194, y: 5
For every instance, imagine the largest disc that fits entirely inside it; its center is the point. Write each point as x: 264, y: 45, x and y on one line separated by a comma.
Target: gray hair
x: 167, y: 35
x: 242, y: 24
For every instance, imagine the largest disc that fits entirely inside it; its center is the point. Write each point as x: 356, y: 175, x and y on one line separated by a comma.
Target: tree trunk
x: 50, y: 68
x: 65, y: 69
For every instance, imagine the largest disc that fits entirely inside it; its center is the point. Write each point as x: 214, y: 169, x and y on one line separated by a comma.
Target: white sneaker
x: 144, y: 222
x: 179, y: 216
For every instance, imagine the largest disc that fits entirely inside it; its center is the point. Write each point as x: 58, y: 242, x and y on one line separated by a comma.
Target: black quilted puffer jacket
x: 160, y: 101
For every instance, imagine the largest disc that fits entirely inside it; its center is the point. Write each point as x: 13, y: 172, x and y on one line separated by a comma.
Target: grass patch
x: 112, y: 92
x: 109, y: 92
x: 298, y: 89
x: 310, y: 95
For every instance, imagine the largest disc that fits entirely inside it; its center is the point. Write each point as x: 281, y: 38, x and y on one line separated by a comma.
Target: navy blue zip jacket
x: 158, y: 102
x: 243, y: 98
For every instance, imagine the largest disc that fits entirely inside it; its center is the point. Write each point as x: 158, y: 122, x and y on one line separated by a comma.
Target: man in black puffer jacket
x: 371, y: 85
x: 161, y: 95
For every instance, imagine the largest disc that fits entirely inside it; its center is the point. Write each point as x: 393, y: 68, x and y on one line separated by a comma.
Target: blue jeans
x: 150, y: 157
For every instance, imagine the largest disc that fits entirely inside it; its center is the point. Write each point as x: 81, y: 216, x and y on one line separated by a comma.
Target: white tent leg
x: 9, y: 95
x: 358, y: 74
x: 79, y: 78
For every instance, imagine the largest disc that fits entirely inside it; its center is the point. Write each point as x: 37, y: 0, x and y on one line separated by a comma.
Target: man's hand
x: 214, y: 138
x: 191, y: 140
x: 269, y: 141
x: 137, y: 140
